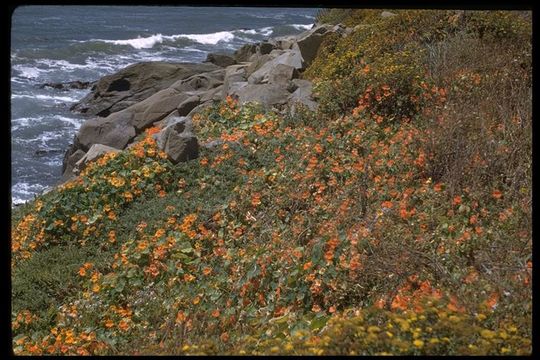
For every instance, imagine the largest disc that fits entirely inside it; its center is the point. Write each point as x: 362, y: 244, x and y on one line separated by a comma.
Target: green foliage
x: 309, y: 233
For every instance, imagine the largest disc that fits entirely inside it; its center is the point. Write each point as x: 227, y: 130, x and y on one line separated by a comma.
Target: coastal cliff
x: 144, y: 95
x: 363, y: 188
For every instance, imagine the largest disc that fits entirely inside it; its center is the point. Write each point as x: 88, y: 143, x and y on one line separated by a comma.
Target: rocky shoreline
x: 124, y: 104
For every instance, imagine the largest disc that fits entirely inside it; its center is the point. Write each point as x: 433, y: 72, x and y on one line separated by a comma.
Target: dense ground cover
x: 396, y: 219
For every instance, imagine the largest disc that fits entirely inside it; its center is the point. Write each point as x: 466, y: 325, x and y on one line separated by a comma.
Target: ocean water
x: 68, y: 43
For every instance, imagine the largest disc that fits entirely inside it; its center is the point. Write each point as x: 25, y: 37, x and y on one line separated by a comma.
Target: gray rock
x: 200, y: 82
x: 387, y: 14
x: 181, y: 147
x: 178, y: 124
x: 310, y: 41
x: 347, y: 31
x: 67, y: 172
x: 222, y: 60
x: 290, y: 58
x: 214, y: 144
x: 212, y: 95
x: 233, y: 74
x: 188, y: 104
x: 284, y: 42
x: 77, y: 84
x: 266, y: 94
x: 265, y: 48
x: 177, y: 141
x: 258, y: 63
x: 155, y: 108
x: 282, y: 74
x: 200, y: 107
x: 95, y: 152
x: 135, y: 83
x: 302, y: 95
x: 245, y: 52
x: 112, y: 131
x: 166, y: 120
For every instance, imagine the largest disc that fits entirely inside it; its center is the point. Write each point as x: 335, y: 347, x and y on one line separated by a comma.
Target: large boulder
x: 244, y: 53
x: 156, y: 107
x: 233, y: 74
x: 265, y: 94
x: 265, y: 47
x: 282, y: 74
x: 222, y: 60
x: 70, y: 164
x: 135, y: 83
x: 188, y: 104
x: 284, y: 42
x: 257, y: 63
x: 200, y: 82
x: 77, y: 84
x: 212, y: 95
x: 290, y: 58
x: 302, y: 95
x: 95, y: 152
x: 177, y: 141
x: 116, y: 132
x: 309, y: 42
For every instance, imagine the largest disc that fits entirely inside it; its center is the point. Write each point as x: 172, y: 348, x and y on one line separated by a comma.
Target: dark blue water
x: 67, y: 43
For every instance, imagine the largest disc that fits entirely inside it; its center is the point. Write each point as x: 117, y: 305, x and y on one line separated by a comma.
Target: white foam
x: 24, y: 121
x: 193, y: 50
x: 207, y: 39
x: 138, y: 43
x: 27, y: 189
x: 62, y: 64
x: 302, y: 26
x: 250, y: 31
x: 73, y: 122
x: 55, y: 99
x: 267, y: 30
x: 28, y: 72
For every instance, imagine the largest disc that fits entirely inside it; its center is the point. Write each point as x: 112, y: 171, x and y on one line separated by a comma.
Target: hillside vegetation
x: 394, y: 220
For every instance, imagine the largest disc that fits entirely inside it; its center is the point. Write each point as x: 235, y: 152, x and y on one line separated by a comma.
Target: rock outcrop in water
x: 155, y: 93
x: 135, y: 83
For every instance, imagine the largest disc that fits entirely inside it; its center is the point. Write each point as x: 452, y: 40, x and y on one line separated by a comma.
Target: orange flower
x: 307, y: 265
x: 152, y: 130
x: 456, y: 200
x: 471, y: 277
x: 180, y: 317
x: 493, y: 299
x: 437, y: 187
x: 316, y: 308
x: 224, y: 337
x: 256, y: 200
x: 207, y: 271
x: 123, y: 325
x: 82, y: 271
x: 215, y: 313
x: 380, y: 303
x: 497, y: 194
x: 454, y: 305
x: 142, y: 245
x: 400, y: 302
x: 109, y: 323
x: 387, y: 204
